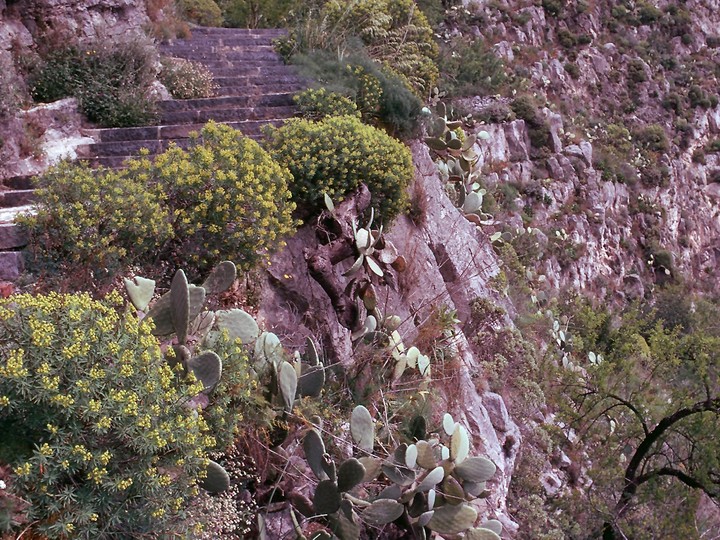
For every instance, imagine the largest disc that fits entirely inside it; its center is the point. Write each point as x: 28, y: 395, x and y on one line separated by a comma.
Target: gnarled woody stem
x: 321, y: 259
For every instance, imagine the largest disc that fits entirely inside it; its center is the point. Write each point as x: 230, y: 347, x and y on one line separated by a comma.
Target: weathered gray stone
x: 11, y: 236
x: 11, y: 265
x: 517, y: 140
x: 496, y: 411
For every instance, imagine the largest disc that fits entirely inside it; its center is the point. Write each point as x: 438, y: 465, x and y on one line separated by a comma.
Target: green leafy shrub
x: 59, y: 76
x: 93, y: 421
x: 317, y: 104
x: 256, y: 13
x: 713, y: 146
x: 381, y: 96
x: 110, y: 79
x: 636, y: 71
x: 185, y: 79
x: 335, y: 155
x: 395, y: 33
x: 202, y: 12
x: 226, y: 198
x: 99, y: 220
x: 538, y: 128
x: 653, y: 138
x: 471, y: 67
x: 115, y: 92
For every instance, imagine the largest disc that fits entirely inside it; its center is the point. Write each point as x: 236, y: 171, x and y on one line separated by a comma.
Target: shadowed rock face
x: 83, y: 19
x: 450, y: 262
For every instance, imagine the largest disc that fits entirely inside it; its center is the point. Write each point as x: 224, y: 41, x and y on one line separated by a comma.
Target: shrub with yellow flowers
x: 227, y: 199
x: 224, y: 198
x: 94, y: 219
x: 335, y: 155
x: 93, y: 421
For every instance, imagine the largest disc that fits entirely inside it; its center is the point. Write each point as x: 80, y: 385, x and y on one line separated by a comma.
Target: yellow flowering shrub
x: 335, y: 155
x: 97, y: 219
x: 226, y: 199
x: 92, y: 420
x: 316, y: 104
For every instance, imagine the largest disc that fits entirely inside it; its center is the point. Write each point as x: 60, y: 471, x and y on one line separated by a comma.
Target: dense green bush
x: 202, y: 12
x: 96, y: 220
x: 470, y: 68
x: 226, y: 198
x: 652, y: 137
x: 395, y: 33
x: 185, y: 79
x: 110, y: 79
x: 381, y: 97
x: 317, y: 104
x: 61, y: 72
x: 538, y: 128
x: 256, y: 13
x: 335, y: 155
x: 92, y: 420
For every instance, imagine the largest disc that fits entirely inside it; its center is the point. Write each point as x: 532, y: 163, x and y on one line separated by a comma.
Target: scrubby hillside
x: 477, y: 295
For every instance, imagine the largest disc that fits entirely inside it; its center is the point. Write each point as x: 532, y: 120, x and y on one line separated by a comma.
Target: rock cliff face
x: 598, y: 67
x: 450, y: 264
x: 85, y: 19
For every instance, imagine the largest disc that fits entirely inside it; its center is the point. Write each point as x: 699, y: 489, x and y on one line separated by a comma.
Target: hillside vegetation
x: 469, y: 293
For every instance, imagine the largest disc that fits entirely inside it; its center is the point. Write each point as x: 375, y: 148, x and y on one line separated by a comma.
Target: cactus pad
x: 350, y: 474
x: 475, y: 469
x: 217, y: 478
x: 327, y: 498
x: 140, y: 290
x: 362, y: 428
x: 382, y: 512
x: 221, y: 278
x: 452, y: 519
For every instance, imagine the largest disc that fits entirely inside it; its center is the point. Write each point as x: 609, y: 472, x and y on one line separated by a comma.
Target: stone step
x: 19, y: 182
x: 275, y: 89
x: 284, y: 79
x: 225, y: 69
x: 227, y: 115
x: 237, y: 56
x: 238, y: 32
x: 224, y: 102
x: 12, y: 237
x: 16, y: 197
x: 249, y: 128
x: 214, y: 47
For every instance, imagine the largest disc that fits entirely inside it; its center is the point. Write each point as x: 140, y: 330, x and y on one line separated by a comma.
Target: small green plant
x: 539, y: 130
x: 202, y: 12
x: 653, y: 138
x: 97, y: 220
x: 256, y: 13
x: 335, y: 155
x: 185, y: 79
x: 394, y: 33
x: 318, y: 104
x: 471, y: 67
x: 381, y: 97
x: 110, y: 79
x: 93, y: 421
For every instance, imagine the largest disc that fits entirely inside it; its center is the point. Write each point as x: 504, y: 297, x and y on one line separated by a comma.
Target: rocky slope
x: 602, y: 73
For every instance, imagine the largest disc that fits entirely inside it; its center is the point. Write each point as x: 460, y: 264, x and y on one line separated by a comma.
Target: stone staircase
x: 255, y: 88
